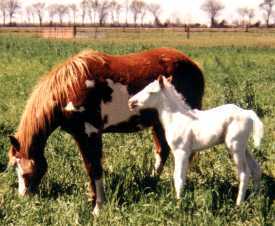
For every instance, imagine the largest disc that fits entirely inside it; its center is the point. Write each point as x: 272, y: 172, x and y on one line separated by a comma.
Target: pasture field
x: 238, y: 68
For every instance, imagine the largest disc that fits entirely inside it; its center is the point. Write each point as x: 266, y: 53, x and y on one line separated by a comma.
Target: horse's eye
x: 26, y: 175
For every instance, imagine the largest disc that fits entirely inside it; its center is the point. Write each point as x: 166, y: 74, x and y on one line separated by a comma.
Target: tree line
x: 115, y: 13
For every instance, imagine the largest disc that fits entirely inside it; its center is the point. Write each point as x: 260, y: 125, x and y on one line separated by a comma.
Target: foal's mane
x: 53, y: 90
x: 177, y: 98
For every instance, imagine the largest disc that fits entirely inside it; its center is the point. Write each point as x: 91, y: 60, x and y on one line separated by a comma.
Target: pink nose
x: 132, y: 104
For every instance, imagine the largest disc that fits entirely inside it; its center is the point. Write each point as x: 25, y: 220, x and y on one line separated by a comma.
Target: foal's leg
x: 238, y: 152
x: 91, y: 150
x: 181, y: 158
x: 161, y: 148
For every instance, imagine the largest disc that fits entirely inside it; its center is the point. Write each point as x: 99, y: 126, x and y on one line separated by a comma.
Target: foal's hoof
x: 96, y: 210
x: 154, y: 173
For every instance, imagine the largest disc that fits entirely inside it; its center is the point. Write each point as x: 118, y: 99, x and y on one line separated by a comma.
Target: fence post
x: 187, y: 29
x: 74, y: 31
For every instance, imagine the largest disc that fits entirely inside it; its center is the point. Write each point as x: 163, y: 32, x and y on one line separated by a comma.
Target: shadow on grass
x: 131, y: 184
x: 269, y: 183
x: 269, y: 188
x: 3, y: 167
x: 57, y: 189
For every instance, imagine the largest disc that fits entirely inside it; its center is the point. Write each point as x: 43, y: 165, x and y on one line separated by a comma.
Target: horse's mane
x: 53, y: 90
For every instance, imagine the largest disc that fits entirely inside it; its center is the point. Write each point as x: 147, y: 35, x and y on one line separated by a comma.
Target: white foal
x: 189, y: 130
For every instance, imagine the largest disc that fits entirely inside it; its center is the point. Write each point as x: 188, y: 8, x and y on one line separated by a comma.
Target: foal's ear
x: 169, y: 79
x: 161, y: 82
x: 14, y: 142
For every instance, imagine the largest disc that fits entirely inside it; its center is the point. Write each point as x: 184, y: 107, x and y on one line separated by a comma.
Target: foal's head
x: 150, y: 96
x: 29, y: 175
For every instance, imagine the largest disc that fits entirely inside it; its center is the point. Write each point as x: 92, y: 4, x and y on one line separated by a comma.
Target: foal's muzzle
x: 132, y: 104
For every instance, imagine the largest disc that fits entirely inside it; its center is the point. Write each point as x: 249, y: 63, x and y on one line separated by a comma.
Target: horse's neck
x: 171, y: 112
x: 34, y: 142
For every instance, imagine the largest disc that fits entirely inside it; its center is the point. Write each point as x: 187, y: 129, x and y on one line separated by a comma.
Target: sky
x: 188, y: 11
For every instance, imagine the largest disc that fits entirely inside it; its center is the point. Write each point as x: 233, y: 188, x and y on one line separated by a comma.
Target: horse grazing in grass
x: 188, y: 131
x: 87, y: 96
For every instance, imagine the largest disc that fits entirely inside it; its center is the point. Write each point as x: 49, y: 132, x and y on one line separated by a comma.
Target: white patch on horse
x: 117, y: 109
x: 99, y: 197
x: 22, y: 189
x: 90, y: 83
x: 158, y: 163
x: 110, y: 82
x: 81, y: 109
x: 71, y: 107
x: 90, y: 129
x: 139, y: 126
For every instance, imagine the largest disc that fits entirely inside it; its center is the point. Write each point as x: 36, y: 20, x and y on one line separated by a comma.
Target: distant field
x: 239, y: 67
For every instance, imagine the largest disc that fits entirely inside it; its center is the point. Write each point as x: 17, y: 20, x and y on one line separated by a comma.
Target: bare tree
x: 136, y: 8
x: 29, y: 14
x: 247, y: 15
x: 61, y: 11
x: 155, y: 10
x: 12, y: 7
x: 103, y: 9
x: 39, y: 9
x: 51, y: 12
x: 213, y: 9
x: 93, y: 9
x: 83, y: 7
x: 58, y: 9
x: 250, y: 14
x: 267, y: 7
x: 118, y: 11
x: 243, y: 13
x: 115, y: 9
x: 3, y: 9
x: 73, y: 9
x: 143, y: 12
x: 126, y: 6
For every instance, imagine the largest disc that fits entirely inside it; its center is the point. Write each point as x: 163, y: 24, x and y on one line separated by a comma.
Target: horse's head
x: 26, y: 167
x: 149, y: 97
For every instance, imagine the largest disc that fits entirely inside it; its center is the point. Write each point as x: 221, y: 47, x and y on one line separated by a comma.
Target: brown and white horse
x: 87, y: 96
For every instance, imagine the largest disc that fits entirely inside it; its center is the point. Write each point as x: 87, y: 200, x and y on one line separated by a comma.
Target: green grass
x: 239, y: 72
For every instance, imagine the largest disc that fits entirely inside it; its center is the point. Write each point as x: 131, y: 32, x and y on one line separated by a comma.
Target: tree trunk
x: 212, y: 22
x: 10, y: 19
x: 40, y: 21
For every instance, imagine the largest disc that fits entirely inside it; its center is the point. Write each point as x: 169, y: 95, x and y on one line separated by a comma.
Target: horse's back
x: 139, y: 69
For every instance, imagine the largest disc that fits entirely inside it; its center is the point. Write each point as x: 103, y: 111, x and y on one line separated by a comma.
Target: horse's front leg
x: 91, y: 150
x: 181, y: 158
x: 161, y: 148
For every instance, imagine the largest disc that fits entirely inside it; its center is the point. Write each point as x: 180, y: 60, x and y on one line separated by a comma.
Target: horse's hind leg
x: 254, y: 169
x: 91, y: 150
x: 161, y: 148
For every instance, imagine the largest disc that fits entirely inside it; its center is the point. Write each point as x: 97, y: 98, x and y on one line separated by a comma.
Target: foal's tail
x: 258, y: 128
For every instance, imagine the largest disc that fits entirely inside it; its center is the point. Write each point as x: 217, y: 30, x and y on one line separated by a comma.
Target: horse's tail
x: 258, y: 128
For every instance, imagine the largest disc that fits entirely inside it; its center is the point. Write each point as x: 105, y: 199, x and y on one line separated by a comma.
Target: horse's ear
x: 161, y: 82
x: 14, y: 142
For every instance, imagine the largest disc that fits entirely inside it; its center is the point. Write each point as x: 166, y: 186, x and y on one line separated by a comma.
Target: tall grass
x: 243, y: 75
